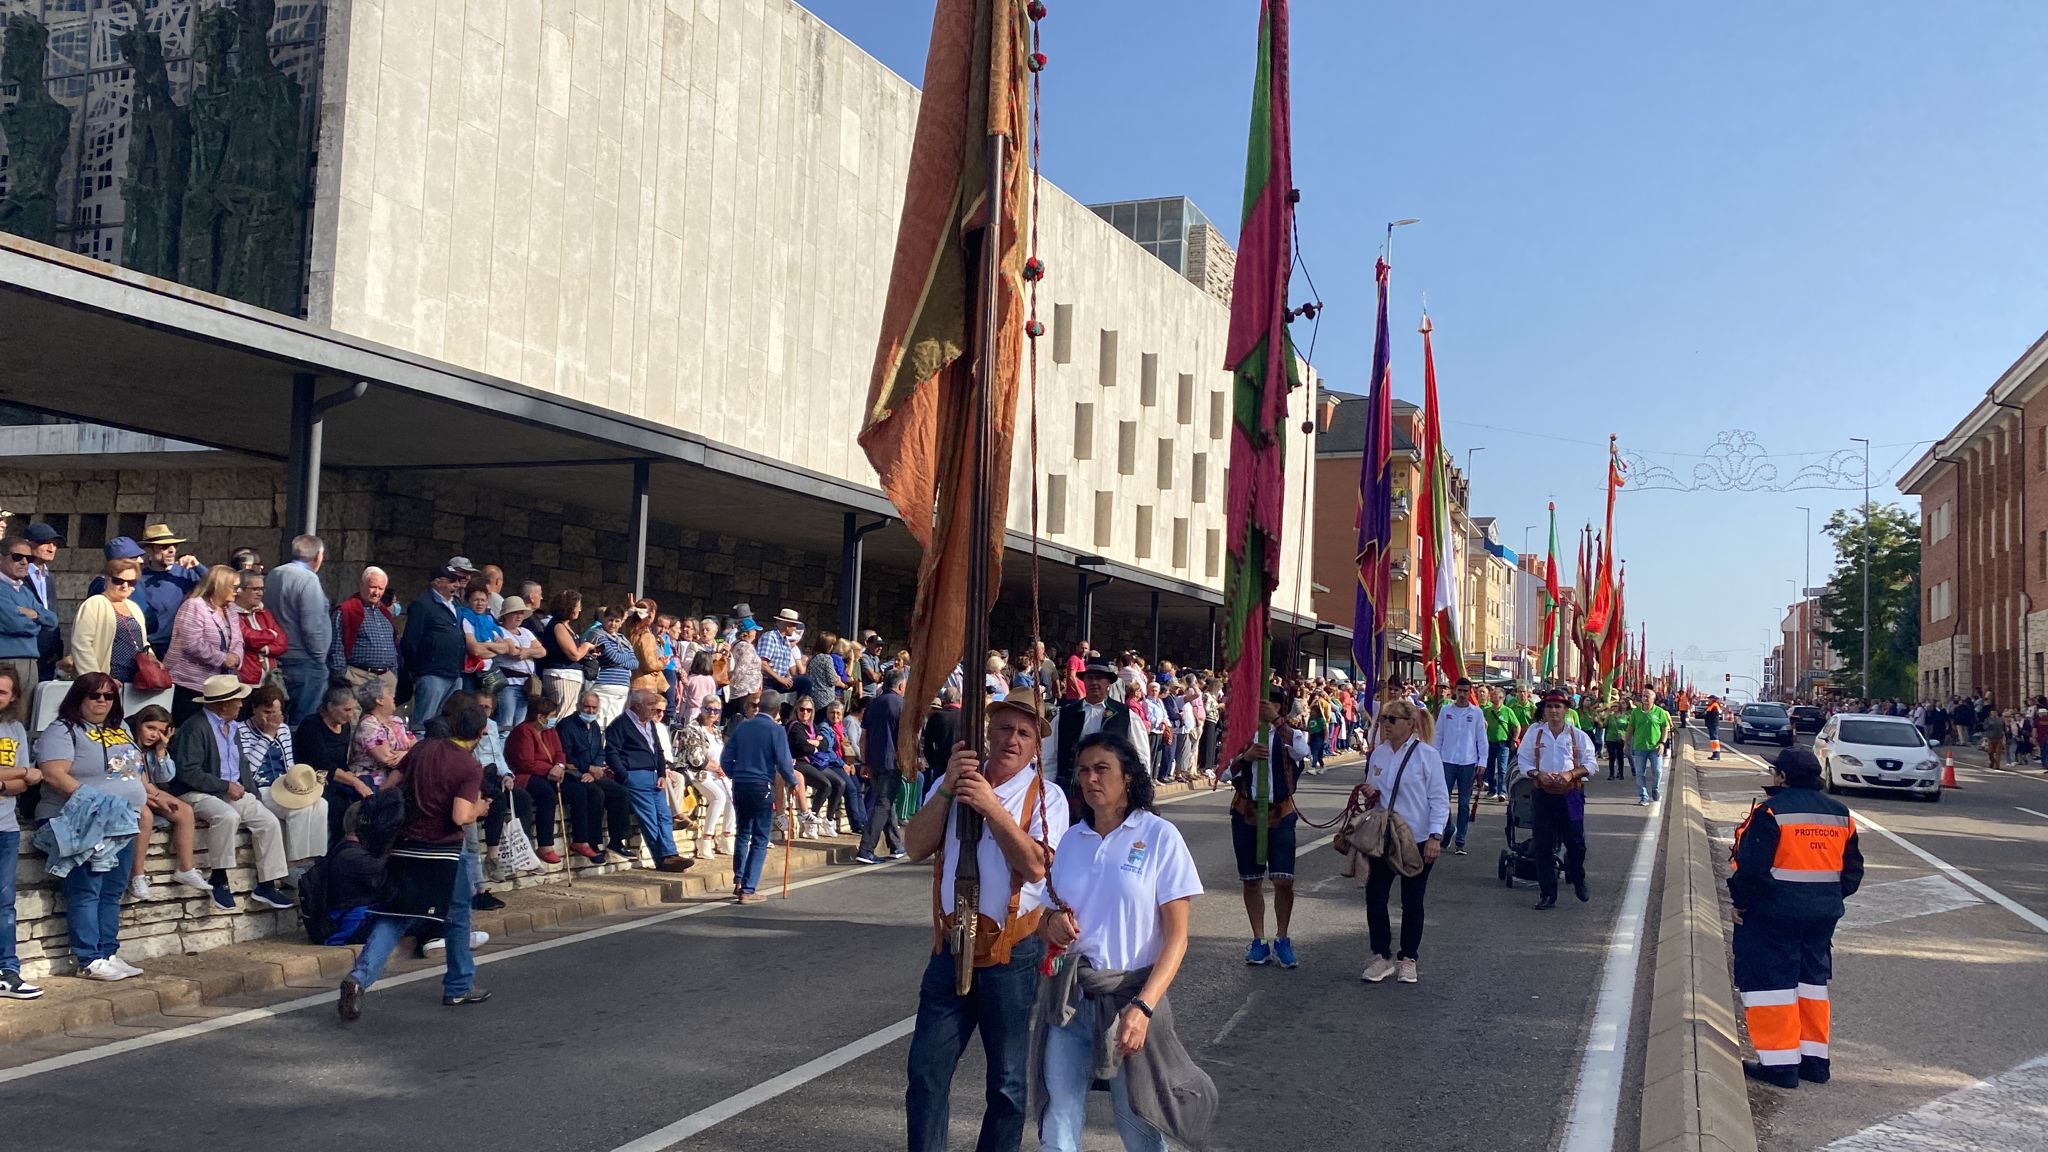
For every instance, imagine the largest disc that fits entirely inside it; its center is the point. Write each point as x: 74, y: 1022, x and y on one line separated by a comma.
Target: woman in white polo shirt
x: 1124, y: 879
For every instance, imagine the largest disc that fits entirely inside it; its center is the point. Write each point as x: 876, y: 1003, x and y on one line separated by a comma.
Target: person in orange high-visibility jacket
x: 1796, y: 861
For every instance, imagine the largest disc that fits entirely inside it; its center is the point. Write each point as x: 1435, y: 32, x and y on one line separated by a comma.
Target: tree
x: 1893, y: 536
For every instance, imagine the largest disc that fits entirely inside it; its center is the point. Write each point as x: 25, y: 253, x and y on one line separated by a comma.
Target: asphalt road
x: 1937, y: 983
x: 789, y: 1015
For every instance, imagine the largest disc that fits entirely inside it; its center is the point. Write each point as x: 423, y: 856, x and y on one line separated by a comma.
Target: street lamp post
x: 1809, y: 552
x: 1468, y: 470
x: 1866, y: 561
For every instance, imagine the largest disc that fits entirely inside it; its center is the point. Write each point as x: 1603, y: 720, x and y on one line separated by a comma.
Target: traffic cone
x: 1715, y: 747
x: 1948, y: 771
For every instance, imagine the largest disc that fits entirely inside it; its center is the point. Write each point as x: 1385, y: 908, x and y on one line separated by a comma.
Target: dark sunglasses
x: 102, y: 696
x: 21, y: 555
x: 118, y: 583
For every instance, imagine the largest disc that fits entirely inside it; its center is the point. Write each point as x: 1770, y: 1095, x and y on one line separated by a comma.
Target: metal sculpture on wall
x: 37, y: 128
x: 1736, y: 462
x: 240, y: 234
x: 159, y: 158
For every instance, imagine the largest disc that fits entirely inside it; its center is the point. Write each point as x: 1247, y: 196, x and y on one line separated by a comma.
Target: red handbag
x: 150, y: 673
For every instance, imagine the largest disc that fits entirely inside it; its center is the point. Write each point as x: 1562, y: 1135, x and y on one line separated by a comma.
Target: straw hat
x: 298, y: 788
x: 223, y: 688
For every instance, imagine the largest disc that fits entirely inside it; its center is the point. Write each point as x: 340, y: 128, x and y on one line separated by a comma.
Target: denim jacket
x: 91, y: 829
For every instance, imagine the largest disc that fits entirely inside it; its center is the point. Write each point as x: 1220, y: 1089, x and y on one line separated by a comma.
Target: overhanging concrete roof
x: 89, y: 341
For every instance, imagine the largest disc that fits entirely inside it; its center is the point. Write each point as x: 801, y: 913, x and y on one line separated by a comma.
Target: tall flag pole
x: 1584, y: 591
x: 1262, y: 365
x: 1439, y: 589
x: 1613, y: 650
x: 942, y: 398
x: 1375, y: 509
x: 1553, y: 596
x: 1600, y: 615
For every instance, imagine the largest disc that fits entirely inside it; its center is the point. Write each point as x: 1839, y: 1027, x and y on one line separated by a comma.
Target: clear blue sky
x: 1812, y: 221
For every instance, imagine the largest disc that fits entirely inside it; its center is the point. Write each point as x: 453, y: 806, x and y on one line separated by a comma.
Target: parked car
x: 1764, y: 722
x: 1807, y: 718
x: 1878, y: 753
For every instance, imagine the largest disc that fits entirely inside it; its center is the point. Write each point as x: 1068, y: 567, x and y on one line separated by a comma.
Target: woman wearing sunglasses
x: 87, y: 752
x: 110, y: 628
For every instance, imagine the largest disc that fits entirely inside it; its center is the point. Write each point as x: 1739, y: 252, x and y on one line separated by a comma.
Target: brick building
x: 1983, y: 493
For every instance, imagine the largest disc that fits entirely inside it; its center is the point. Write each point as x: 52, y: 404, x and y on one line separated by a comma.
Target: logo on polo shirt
x: 1135, y: 862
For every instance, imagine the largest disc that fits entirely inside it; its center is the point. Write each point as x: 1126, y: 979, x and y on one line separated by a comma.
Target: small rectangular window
x: 1084, y: 431
x: 1165, y: 465
x: 1212, y: 553
x: 1105, y: 365
x: 1062, y: 333
x: 1143, y: 544
x: 1184, y: 399
x: 1055, y: 505
x: 1148, y: 379
x: 1180, y: 542
x: 1198, y: 478
x: 1105, y: 510
x: 1127, y: 448
x: 1219, y: 414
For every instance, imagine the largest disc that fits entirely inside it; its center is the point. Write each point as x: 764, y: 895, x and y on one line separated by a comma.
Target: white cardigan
x: 92, y: 632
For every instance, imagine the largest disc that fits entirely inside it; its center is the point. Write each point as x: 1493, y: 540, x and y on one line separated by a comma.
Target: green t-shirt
x: 1524, y: 712
x: 1647, y: 727
x: 1499, y: 722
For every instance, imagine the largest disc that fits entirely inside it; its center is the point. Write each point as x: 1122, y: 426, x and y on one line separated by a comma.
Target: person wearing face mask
x: 595, y: 797
x: 540, y: 767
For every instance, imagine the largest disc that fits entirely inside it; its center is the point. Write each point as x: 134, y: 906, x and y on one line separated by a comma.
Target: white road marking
x: 2002, y: 1114
x: 2031, y: 812
x: 797, y: 1077
x: 326, y: 999
x: 1243, y: 1010
x: 1895, y: 900
x: 1956, y: 874
x: 1596, y: 1099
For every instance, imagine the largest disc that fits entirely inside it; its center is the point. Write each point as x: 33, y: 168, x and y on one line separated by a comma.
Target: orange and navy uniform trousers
x: 1796, y: 860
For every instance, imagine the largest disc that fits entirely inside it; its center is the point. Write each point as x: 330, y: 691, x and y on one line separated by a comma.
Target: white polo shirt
x: 995, y: 868
x: 1115, y: 885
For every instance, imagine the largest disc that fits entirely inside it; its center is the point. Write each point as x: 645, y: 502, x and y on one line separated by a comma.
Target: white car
x: 1880, y: 753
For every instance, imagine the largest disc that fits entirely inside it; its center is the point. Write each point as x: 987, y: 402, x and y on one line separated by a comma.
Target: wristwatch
x: 1141, y: 1006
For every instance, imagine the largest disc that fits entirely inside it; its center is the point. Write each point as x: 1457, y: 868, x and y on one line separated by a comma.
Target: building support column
x: 636, y: 525
x: 1086, y: 608
x: 851, y: 534
x: 1155, y: 630
x: 1212, y: 638
x: 303, y: 452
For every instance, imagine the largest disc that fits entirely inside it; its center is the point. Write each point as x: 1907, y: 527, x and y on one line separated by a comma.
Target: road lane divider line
x: 739, y: 1102
x: 1596, y: 1098
x: 2031, y: 812
x: 2033, y: 918
x: 320, y: 999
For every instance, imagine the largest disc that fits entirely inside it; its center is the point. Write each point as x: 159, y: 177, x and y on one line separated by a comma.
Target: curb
x: 1694, y: 1097
x: 174, y: 983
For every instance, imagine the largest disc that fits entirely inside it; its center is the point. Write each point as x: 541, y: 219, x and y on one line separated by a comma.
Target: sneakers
x: 1377, y: 971
x: 473, y: 996
x: 752, y: 898
x: 268, y: 896
x: 349, y: 1005
x: 621, y: 851
x: 194, y: 879
x: 125, y: 967
x: 138, y: 887
x: 477, y: 939
x: 104, y: 970
x: 675, y: 864
x: 866, y: 858
x: 1459, y: 851
x: 1258, y: 953
x: 485, y: 902
x: 223, y: 900
x: 1642, y: 801
x: 1580, y: 890
x: 586, y: 851
x: 1404, y: 971
x: 497, y: 870
x: 899, y: 854
x: 1283, y: 951
x: 13, y: 987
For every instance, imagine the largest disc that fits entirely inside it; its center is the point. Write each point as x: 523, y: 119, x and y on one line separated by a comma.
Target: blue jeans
x: 10, y: 858
x: 1649, y: 769
x: 1068, y: 1054
x: 306, y: 682
x: 753, y: 807
x: 999, y: 1004
x: 92, y: 907
x: 1497, y: 761
x: 1318, y: 748
x: 386, y: 931
x: 856, y: 801
x: 428, y: 694
x: 1458, y: 780
x: 650, y: 808
x: 509, y: 707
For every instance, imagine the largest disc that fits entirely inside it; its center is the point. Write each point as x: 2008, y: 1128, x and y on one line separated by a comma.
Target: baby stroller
x: 1518, y: 860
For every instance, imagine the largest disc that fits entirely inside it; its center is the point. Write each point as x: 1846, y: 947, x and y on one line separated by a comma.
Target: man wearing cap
x: 1558, y: 756
x: 779, y: 651
x: 45, y: 541
x: 433, y: 647
x: 1094, y: 712
x: 1264, y: 775
x: 1796, y: 860
x: 365, y: 635
x: 23, y: 619
x: 1021, y: 816
x: 300, y: 605
x: 209, y: 759
x: 168, y: 576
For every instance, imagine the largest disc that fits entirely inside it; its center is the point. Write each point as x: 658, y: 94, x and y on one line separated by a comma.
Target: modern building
x: 1807, y: 664
x: 1174, y: 230
x: 593, y: 291
x: 1983, y: 492
x: 1493, y: 578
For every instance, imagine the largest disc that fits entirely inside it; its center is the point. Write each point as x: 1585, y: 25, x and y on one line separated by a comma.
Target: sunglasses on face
x: 12, y: 556
x: 100, y: 696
